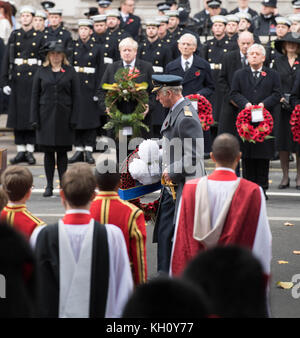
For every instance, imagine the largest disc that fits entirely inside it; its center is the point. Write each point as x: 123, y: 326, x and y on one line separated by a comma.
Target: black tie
x: 256, y: 75
x: 244, y: 63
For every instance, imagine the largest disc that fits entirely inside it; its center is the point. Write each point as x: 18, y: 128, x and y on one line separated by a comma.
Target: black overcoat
x: 266, y: 90
x: 54, y: 106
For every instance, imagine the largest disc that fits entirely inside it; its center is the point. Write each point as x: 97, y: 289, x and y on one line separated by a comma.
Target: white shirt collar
x: 132, y: 64
x: 243, y: 10
x: 254, y: 70
x: 77, y: 211
x: 177, y: 103
x: 183, y: 61
x: 226, y: 169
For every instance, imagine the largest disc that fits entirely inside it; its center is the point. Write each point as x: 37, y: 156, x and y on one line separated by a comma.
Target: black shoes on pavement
x: 23, y: 156
x: 82, y: 156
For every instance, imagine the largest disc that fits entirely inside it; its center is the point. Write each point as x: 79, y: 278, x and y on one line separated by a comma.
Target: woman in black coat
x: 287, y: 65
x: 55, y: 100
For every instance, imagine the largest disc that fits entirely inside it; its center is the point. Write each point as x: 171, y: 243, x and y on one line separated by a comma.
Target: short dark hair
x: 16, y: 182
x: 165, y: 297
x: 107, y: 175
x: 3, y: 199
x: 233, y: 280
x: 225, y: 149
x: 78, y: 184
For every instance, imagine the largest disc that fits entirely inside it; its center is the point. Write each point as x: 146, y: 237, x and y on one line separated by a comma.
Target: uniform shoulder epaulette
x: 187, y: 111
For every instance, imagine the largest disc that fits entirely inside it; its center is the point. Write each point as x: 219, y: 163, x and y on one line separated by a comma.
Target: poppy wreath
x: 295, y: 123
x: 250, y: 133
x: 125, y: 89
x: 204, y: 110
x: 150, y: 209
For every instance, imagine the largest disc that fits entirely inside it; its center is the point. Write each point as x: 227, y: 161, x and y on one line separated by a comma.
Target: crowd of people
x: 52, y: 85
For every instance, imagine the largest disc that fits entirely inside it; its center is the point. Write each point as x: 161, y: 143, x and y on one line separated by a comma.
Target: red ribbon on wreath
x: 295, y: 123
x: 250, y: 133
x: 204, y: 110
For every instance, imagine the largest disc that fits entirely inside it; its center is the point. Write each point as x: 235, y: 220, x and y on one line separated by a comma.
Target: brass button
x: 156, y: 62
x: 18, y: 74
x: 105, y: 54
x: 34, y: 34
x: 33, y: 44
x: 18, y: 43
x: 225, y: 50
x: 60, y: 41
x: 86, y: 81
x: 106, y: 46
x: 143, y: 53
x: 209, y: 50
x: 29, y: 73
x: 75, y: 62
x: 89, y: 63
x: 91, y: 45
x: 90, y: 54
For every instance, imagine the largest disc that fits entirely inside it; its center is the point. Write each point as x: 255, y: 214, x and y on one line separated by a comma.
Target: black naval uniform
x: 61, y: 34
x: 88, y: 63
x: 204, y: 22
x: 214, y: 51
x: 158, y: 54
x: 115, y: 37
x: 109, y: 46
x: 264, y: 26
x: 271, y: 54
x: 20, y: 63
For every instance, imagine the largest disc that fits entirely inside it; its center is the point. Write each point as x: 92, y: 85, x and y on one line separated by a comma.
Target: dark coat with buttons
x: 61, y: 34
x: 88, y: 55
x: 54, y: 106
x: 21, y: 45
x: 266, y: 90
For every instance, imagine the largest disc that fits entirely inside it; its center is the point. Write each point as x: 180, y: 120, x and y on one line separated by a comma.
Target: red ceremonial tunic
x: 239, y: 227
x: 109, y: 208
x: 21, y: 219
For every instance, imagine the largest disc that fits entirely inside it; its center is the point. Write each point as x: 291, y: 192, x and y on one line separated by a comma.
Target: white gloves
x: 7, y: 90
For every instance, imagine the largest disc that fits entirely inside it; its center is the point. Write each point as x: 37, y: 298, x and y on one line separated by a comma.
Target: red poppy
x: 62, y: 70
x: 296, y: 63
x: 295, y: 123
x: 197, y: 73
x: 263, y: 73
x: 130, y: 21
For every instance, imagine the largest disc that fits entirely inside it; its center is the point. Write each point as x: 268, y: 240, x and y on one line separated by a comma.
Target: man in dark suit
x: 130, y: 22
x: 232, y: 61
x: 128, y: 51
x: 243, y: 7
x: 256, y: 85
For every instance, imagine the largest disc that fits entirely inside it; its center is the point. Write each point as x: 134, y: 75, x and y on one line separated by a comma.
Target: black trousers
x: 164, y: 231
x: 49, y: 165
x: 85, y: 137
x: 24, y: 137
x: 257, y: 171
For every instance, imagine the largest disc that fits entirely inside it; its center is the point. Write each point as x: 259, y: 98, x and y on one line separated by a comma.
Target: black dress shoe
x: 284, y: 186
x: 20, y: 157
x: 89, y: 157
x: 30, y: 159
x: 77, y: 157
x: 48, y: 192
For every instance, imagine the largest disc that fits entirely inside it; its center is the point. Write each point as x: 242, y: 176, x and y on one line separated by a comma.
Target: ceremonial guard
x: 39, y: 21
x: 214, y: 51
x: 180, y: 163
x: 163, y: 32
x: 100, y: 36
x: 88, y: 63
x: 20, y: 62
x: 130, y: 22
x: 153, y: 50
x: 282, y: 28
x: 232, y: 27
x: 56, y: 30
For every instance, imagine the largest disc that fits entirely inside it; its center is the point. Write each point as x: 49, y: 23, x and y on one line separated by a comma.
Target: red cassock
x: 108, y: 208
x: 240, y: 226
x: 21, y: 219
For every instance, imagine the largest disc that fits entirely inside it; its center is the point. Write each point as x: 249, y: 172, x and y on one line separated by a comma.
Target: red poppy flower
x: 296, y: 63
x: 130, y: 21
x: 63, y: 70
x: 197, y: 73
x: 263, y: 73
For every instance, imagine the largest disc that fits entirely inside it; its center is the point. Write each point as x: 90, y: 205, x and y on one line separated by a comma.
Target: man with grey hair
x: 183, y: 152
x: 257, y: 86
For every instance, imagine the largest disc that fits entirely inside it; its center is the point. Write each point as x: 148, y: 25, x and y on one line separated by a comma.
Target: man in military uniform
x: 115, y: 34
x: 56, y: 30
x: 212, y: 8
x: 163, y: 33
x: 88, y: 63
x: 20, y: 62
x: 264, y: 23
x: 176, y: 31
x: 103, y: 6
x: 39, y: 21
x: 130, y: 22
x: 214, y: 51
x: 153, y: 50
x: 232, y: 27
x: 282, y: 28
x: 181, y: 163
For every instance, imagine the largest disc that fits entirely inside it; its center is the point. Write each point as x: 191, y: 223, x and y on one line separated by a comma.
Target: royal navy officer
x: 20, y: 62
x: 88, y: 63
x: 181, y: 163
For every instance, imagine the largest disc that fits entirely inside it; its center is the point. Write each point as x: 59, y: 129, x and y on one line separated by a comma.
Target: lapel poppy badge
x: 197, y: 73
x: 296, y: 63
x: 263, y: 73
x: 63, y: 70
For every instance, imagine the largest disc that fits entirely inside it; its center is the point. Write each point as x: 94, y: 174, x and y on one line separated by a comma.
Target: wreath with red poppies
x: 248, y: 132
x: 295, y: 123
x: 204, y: 110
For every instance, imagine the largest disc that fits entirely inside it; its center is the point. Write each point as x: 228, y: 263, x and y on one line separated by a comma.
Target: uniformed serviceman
x: 56, y: 30
x: 181, y: 163
x: 264, y: 24
x: 39, y: 21
x: 20, y: 62
x: 88, y: 63
x: 214, y: 51
x: 282, y: 28
x: 231, y: 30
x: 163, y: 32
x: 176, y: 31
x: 103, y: 6
x: 295, y: 22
